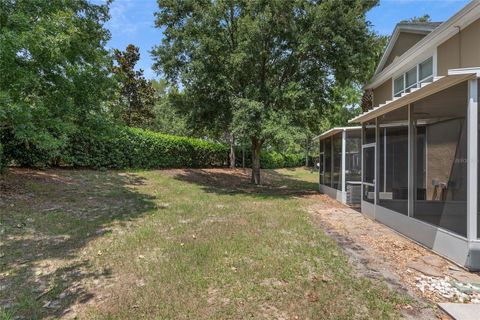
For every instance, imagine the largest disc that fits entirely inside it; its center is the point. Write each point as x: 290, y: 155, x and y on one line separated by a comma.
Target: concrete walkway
x: 461, y: 311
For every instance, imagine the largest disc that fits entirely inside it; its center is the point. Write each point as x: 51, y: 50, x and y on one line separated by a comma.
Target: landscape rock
x: 424, y: 268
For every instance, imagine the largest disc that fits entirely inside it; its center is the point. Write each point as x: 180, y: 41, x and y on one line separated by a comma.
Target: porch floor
x: 379, y: 252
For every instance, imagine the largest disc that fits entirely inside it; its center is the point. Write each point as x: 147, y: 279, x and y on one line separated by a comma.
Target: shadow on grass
x: 237, y: 181
x: 46, y: 219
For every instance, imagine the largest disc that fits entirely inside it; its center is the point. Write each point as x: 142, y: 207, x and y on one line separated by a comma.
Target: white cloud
x: 120, y: 21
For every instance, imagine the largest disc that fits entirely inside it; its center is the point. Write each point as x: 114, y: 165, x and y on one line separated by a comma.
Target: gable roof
x: 443, y: 32
x: 407, y: 27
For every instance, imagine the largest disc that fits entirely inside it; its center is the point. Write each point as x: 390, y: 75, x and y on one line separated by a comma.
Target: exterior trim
x: 334, y: 131
x: 421, y: 29
x: 425, y: 90
x: 446, y: 30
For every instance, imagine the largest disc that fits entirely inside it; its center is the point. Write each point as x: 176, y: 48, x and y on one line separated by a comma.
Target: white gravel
x: 449, y: 289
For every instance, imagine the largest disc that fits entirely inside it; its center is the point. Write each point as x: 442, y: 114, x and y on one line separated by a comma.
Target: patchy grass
x: 181, y: 244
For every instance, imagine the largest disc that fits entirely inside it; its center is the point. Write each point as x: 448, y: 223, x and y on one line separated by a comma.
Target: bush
x: 122, y: 147
x: 137, y: 148
x: 271, y: 159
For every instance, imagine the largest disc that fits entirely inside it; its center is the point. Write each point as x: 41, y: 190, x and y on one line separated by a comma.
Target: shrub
x: 271, y: 159
x: 137, y: 148
x: 122, y: 147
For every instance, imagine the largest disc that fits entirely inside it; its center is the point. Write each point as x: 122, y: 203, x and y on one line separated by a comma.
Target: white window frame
x: 418, y: 81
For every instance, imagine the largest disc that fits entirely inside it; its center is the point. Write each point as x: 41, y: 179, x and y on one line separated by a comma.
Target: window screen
x: 441, y: 159
x: 393, y: 182
x: 328, y: 162
x: 353, y: 148
x: 337, y: 161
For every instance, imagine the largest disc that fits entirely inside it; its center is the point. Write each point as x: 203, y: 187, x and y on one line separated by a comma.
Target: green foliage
x: 272, y: 159
x: 345, y: 105
x: 137, y: 95
x: 54, y: 73
x: 137, y: 148
x: 116, y: 147
x: 124, y: 147
x: 167, y: 117
x: 261, y: 67
x: 421, y: 19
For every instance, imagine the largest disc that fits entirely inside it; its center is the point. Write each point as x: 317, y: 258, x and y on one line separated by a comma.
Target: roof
x: 426, y: 23
x: 409, y: 27
x: 438, y: 84
x: 440, y: 34
x: 335, y: 130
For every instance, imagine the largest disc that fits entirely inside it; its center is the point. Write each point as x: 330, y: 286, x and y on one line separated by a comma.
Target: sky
x: 132, y: 22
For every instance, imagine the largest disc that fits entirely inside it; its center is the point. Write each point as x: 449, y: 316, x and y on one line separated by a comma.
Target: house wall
x: 460, y: 51
x: 382, y: 93
x: 404, y: 42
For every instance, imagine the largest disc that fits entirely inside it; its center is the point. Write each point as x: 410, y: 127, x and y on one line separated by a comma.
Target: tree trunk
x: 256, y: 146
x: 232, y: 151
x: 307, y: 151
x: 243, y: 156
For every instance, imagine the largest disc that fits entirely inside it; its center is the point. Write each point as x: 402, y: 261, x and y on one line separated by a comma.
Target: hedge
x: 123, y: 147
x: 137, y: 148
x: 271, y: 159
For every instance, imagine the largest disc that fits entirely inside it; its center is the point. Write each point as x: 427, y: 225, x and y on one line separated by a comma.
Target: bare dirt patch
x: 377, y: 251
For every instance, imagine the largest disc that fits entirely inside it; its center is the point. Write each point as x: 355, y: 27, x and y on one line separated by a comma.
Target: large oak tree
x: 260, y: 67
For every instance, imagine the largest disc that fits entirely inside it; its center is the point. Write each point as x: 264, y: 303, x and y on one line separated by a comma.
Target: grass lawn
x: 174, y: 244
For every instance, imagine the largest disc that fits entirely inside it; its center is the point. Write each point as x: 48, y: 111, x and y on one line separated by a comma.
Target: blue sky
x: 132, y: 21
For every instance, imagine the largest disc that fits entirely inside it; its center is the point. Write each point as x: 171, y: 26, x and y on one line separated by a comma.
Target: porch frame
x: 337, y: 194
x: 465, y: 251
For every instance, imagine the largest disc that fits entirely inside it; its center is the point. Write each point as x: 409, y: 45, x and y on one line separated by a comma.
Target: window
x: 421, y: 73
x: 398, y: 86
x: 441, y: 159
x: 411, y: 79
x: 425, y: 70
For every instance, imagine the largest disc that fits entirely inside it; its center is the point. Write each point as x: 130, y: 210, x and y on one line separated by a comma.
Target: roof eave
x: 436, y: 37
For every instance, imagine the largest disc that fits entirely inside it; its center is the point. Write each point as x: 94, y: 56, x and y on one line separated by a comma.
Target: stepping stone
x: 426, y: 269
x: 464, y: 276
x: 461, y: 311
x: 435, y: 261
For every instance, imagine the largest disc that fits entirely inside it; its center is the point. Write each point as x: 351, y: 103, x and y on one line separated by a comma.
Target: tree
x: 137, y: 95
x: 167, y: 119
x: 262, y: 67
x: 421, y: 19
x: 54, y: 73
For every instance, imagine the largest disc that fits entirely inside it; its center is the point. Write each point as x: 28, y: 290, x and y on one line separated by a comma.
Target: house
x: 419, y: 140
x: 340, y: 164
